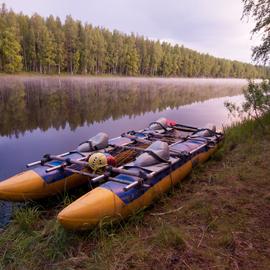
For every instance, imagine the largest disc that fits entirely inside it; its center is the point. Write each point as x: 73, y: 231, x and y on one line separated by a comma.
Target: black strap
x: 46, y: 158
x: 130, y: 132
x: 195, y: 129
x: 179, y: 154
x: 77, y: 152
x: 185, y: 126
x: 88, y: 142
x: 184, y: 129
x: 158, y: 123
x: 199, y: 139
x: 157, y: 157
x: 212, y: 133
x: 92, y: 148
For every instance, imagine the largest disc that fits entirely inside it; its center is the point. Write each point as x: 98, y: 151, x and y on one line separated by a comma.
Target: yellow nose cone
x: 98, y: 205
x: 23, y: 186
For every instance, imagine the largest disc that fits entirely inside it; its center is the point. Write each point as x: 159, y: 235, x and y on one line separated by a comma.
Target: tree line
x: 48, y: 46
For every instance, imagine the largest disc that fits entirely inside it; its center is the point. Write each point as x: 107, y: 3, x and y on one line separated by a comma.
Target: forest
x: 50, y: 46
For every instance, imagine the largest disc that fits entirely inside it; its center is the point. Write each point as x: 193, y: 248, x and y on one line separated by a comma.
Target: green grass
x: 168, y: 235
x: 222, y: 222
x: 26, y: 217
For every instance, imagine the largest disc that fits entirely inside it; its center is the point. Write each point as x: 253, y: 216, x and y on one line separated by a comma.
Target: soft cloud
x: 209, y: 26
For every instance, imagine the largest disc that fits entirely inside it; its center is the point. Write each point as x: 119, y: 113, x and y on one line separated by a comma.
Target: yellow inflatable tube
x: 29, y: 185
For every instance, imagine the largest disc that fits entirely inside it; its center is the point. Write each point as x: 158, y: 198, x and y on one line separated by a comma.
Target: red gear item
x: 170, y: 123
x: 111, y: 160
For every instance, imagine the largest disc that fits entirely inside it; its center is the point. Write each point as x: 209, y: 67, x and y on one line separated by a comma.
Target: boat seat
x: 151, y: 168
x: 188, y: 146
x: 98, y: 142
x: 157, y: 152
x: 160, y: 124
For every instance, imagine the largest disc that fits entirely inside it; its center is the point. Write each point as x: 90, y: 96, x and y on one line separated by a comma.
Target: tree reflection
x: 30, y: 103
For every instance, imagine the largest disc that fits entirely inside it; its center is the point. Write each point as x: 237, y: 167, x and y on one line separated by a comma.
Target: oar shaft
x: 185, y: 126
x: 185, y: 129
x: 39, y: 161
x: 73, y: 161
x: 65, y: 163
x: 132, y: 185
x: 97, y: 178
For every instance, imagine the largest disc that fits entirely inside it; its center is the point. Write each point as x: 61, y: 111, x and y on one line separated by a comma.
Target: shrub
x: 256, y: 104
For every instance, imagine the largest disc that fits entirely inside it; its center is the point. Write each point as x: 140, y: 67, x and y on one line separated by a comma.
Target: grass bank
x: 217, y: 218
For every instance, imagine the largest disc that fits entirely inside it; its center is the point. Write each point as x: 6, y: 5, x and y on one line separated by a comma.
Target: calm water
x: 52, y: 115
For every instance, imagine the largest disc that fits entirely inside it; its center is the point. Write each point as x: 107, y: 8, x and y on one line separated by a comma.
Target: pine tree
x: 99, y: 51
x: 57, y: 35
x: 155, y: 58
x: 71, y: 45
x: 11, y: 60
x: 131, y: 57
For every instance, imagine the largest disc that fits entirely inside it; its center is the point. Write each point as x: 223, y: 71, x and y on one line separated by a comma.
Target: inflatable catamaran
x: 129, y: 171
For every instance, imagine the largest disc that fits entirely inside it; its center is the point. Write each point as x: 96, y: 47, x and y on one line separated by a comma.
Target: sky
x: 208, y: 26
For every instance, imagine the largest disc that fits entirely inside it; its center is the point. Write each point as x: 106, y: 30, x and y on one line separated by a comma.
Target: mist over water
x: 41, y: 115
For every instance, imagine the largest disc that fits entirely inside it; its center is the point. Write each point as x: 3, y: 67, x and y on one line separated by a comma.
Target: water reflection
x: 5, y: 213
x: 30, y: 103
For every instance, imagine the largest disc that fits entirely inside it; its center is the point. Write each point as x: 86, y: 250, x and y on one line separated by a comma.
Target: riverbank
x: 218, y: 218
x: 114, y: 76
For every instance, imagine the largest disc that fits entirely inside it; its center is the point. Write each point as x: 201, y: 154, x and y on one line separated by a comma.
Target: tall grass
x: 248, y: 131
x: 26, y: 217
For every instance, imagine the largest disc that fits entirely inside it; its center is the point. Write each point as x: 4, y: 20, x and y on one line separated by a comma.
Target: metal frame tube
x: 39, y: 161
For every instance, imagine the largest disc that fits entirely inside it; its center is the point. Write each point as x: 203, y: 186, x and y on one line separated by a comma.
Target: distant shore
x: 111, y: 76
